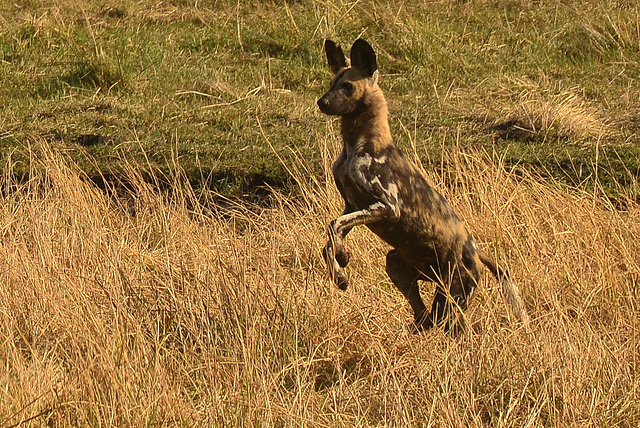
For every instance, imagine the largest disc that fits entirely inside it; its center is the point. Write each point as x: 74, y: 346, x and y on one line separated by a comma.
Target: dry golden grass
x: 152, y: 310
x: 564, y: 116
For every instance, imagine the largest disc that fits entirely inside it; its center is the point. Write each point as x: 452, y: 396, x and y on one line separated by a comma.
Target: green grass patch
x: 548, y: 86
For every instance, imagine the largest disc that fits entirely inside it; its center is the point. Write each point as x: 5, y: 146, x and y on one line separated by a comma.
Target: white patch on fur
x: 390, y: 194
x: 393, y: 191
x: 362, y: 160
x: 512, y: 296
x: 381, y: 160
x: 335, y: 265
x: 374, y: 79
x: 358, y: 217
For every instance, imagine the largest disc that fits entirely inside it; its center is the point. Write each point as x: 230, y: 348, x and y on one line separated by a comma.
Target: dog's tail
x: 510, y: 290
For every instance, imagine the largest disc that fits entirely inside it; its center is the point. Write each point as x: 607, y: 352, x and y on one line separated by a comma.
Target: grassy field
x: 157, y: 311
x: 551, y: 87
x: 192, y: 292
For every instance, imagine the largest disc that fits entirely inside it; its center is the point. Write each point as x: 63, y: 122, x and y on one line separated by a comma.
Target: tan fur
x: 388, y: 194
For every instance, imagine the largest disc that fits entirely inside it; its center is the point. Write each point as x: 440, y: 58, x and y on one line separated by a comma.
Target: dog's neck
x: 369, y: 125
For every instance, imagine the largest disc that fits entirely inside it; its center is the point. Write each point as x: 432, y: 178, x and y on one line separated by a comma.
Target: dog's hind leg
x: 405, y: 278
x: 440, y: 310
x: 460, y: 280
x: 453, y: 292
x: 448, y: 309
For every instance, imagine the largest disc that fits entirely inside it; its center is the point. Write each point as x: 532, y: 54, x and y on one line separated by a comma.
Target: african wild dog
x: 384, y: 191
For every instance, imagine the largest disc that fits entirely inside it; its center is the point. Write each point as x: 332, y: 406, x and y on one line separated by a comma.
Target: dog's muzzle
x: 324, y: 105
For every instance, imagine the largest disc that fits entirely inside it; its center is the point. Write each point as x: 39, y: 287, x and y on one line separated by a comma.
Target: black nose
x: 324, y: 105
x: 323, y: 102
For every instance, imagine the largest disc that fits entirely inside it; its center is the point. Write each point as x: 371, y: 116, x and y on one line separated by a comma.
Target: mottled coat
x: 383, y: 190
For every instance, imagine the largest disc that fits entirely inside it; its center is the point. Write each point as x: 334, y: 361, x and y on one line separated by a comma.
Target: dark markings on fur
x: 387, y: 193
x: 336, y: 80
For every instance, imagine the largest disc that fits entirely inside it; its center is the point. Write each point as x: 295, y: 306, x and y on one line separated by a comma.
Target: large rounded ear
x: 335, y: 56
x: 363, y: 58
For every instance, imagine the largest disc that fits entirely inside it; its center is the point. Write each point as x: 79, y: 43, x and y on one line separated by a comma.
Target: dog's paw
x: 341, y: 279
x: 421, y: 323
x: 337, y: 258
x: 343, y: 257
x: 336, y: 252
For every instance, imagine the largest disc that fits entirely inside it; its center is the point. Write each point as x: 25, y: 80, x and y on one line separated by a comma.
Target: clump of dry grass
x: 160, y: 311
x: 565, y: 116
x: 526, y: 111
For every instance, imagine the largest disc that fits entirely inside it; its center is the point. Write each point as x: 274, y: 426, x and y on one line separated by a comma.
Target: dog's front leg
x: 334, y: 253
x: 338, y: 252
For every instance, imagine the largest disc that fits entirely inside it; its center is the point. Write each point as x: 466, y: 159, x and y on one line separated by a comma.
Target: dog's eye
x: 347, y: 87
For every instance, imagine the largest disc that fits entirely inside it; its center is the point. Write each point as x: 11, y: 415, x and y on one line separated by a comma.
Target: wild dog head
x: 352, y: 84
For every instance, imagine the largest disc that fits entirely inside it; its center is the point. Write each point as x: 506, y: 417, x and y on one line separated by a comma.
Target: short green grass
x: 226, y: 90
